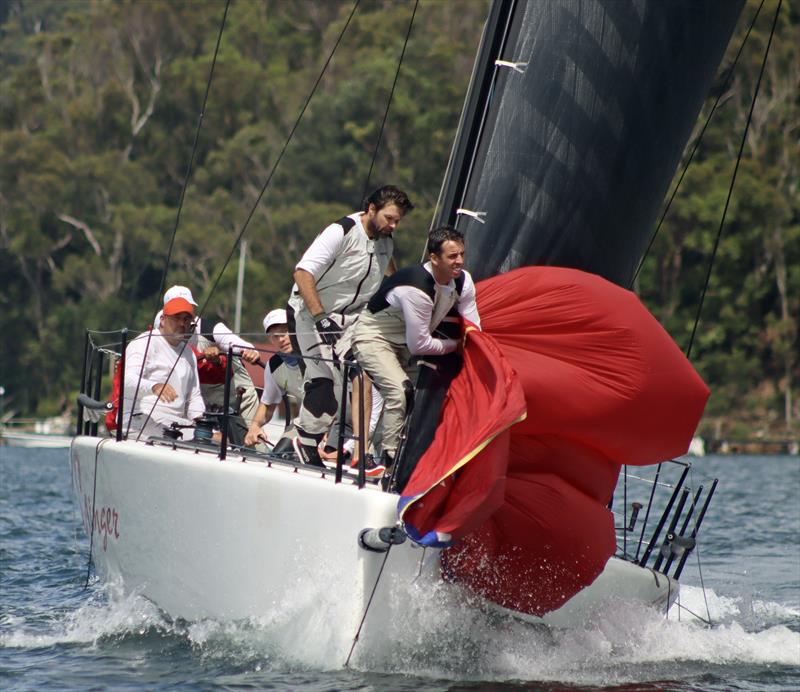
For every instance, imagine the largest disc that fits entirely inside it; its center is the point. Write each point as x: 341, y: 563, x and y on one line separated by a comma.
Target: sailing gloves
x: 328, y: 330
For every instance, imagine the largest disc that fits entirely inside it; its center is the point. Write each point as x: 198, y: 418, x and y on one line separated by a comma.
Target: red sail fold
x: 603, y: 385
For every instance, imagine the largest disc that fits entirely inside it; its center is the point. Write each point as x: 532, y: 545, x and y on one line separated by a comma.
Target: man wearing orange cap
x: 161, y: 373
x: 210, y: 340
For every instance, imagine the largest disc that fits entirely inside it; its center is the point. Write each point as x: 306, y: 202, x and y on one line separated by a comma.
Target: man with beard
x: 334, y: 279
x: 161, y: 373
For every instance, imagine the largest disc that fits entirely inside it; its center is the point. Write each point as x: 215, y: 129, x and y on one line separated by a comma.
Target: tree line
x: 99, y: 107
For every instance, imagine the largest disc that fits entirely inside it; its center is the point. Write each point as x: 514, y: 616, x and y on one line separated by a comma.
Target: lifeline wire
x: 733, y: 180
x: 279, y: 158
x: 389, y: 102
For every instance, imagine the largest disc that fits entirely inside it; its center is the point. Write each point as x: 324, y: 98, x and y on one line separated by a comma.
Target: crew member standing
x: 334, y: 279
x: 401, y: 319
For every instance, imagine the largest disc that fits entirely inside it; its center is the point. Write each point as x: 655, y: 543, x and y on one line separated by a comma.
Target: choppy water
x: 54, y: 634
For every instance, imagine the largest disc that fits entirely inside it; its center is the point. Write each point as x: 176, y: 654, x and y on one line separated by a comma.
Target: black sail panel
x: 573, y: 151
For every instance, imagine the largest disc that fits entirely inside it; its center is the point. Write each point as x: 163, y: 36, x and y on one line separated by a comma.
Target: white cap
x: 277, y: 316
x: 178, y: 292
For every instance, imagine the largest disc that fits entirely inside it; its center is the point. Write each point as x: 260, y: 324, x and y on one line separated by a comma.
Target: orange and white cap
x: 179, y: 292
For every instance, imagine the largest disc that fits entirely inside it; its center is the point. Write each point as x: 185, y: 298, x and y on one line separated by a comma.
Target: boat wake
x: 437, y: 633
x: 618, y: 643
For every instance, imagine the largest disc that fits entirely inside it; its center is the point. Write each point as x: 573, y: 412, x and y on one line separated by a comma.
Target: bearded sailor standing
x: 334, y: 279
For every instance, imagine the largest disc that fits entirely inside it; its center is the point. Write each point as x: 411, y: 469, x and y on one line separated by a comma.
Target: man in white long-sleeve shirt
x: 401, y: 321
x: 163, y: 368
x: 210, y: 339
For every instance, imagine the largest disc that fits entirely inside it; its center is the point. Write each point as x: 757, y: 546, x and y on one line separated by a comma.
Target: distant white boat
x: 697, y: 448
x: 30, y: 439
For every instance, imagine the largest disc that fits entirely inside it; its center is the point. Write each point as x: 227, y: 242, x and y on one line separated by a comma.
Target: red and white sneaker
x: 329, y: 459
x: 372, y: 469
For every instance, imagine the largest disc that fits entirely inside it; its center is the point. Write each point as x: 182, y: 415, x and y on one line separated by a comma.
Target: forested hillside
x: 99, y: 106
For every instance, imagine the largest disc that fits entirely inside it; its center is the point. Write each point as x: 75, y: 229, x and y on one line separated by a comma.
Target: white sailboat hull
x: 230, y: 540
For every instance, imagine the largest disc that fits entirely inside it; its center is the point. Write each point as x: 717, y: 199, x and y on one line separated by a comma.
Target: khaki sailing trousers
x: 390, y: 369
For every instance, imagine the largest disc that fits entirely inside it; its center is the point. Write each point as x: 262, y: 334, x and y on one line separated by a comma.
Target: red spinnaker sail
x: 522, y: 498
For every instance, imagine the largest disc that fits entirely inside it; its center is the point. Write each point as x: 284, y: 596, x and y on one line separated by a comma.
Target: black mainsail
x: 574, y: 123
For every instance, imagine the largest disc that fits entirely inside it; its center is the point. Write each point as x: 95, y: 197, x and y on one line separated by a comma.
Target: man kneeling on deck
x: 401, y: 318
x: 161, y: 373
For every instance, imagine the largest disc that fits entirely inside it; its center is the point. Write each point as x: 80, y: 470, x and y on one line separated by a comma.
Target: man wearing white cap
x: 161, y: 382
x: 283, y: 378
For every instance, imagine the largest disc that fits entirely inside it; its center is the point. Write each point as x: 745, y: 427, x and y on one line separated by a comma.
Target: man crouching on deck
x: 161, y: 373
x: 400, y: 322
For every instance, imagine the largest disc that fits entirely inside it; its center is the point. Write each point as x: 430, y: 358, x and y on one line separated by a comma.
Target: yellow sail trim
x: 464, y: 460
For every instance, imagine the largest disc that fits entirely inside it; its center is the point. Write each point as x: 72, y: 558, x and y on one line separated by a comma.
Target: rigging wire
x: 369, y: 603
x: 696, y: 145
x: 699, y: 565
x: 194, y: 149
x: 733, y: 180
x: 177, y: 221
x: 94, y: 496
x: 724, y: 213
x: 682, y: 607
x: 279, y: 158
x: 245, y: 225
x: 389, y: 103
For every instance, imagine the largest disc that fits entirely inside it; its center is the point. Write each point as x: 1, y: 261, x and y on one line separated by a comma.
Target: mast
x: 473, y: 113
